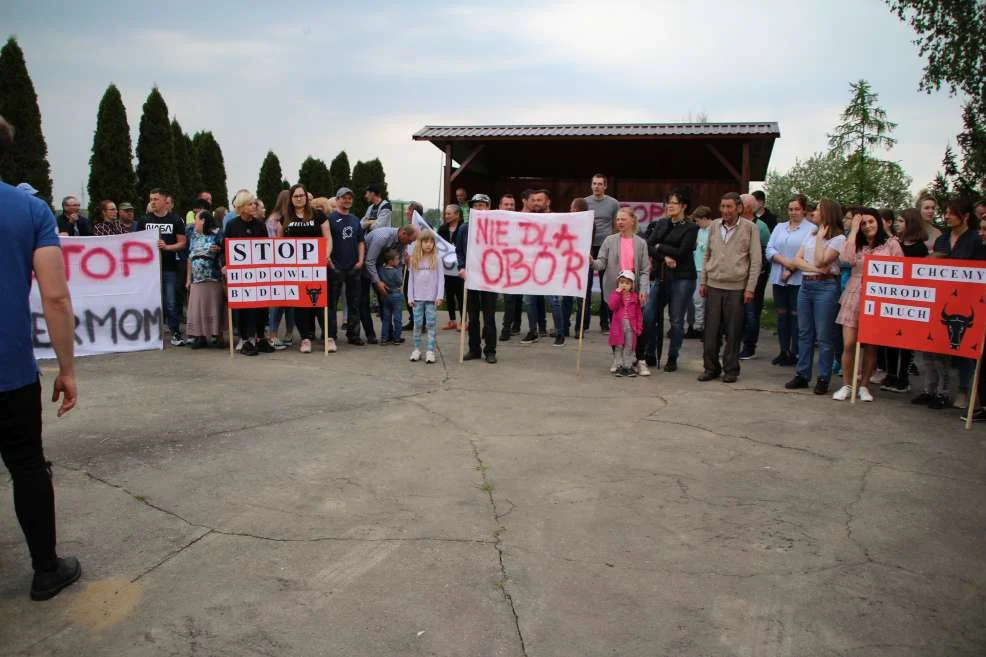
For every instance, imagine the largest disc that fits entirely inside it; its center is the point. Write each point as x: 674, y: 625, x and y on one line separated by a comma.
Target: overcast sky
x: 317, y: 77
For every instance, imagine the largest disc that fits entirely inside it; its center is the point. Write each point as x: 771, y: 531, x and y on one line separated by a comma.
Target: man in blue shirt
x: 29, y: 235
x: 348, y: 251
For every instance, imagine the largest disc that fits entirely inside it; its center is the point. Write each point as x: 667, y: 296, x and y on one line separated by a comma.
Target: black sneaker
x: 791, y: 360
x: 923, y: 399
x: 729, y: 378
x: 372, y: 340
x: 651, y: 360
x: 505, y: 336
x: 559, y: 341
x: 889, y: 384
x: 471, y: 356
x: 620, y: 371
x: 629, y: 372
x: 195, y: 343
x: 491, y: 359
x: 671, y: 365
x: 265, y: 347
x: 46, y: 585
x: 796, y: 383
x: 692, y: 334
x: 708, y: 376
x: 248, y: 349
x: 747, y: 354
x: 531, y: 336
x: 515, y: 330
x: 821, y: 386
x: 543, y: 333
x: 938, y: 402
x: 977, y: 416
x: 177, y: 340
x: 780, y: 359
x: 356, y: 341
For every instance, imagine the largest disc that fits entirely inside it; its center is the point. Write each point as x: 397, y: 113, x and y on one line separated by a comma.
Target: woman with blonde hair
x: 425, y: 292
x: 250, y: 321
x: 622, y: 251
x: 106, y: 222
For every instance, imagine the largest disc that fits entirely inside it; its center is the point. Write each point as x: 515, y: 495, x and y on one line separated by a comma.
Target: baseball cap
x: 480, y: 198
x: 125, y: 206
x: 343, y: 191
x: 627, y: 274
x: 27, y: 187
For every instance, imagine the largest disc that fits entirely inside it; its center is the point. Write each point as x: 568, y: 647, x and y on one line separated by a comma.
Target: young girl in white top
x: 425, y: 292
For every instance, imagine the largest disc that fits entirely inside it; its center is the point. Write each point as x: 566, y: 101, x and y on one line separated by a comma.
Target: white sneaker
x: 239, y: 344
x: 961, y: 400
x: 288, y: 341
x: 306, y: 346
x: 642, y: 368
x: 843, y: 393
x: 331, y: 346
x: 416, y: 355
x: 278, y: 345
x: 864, y: 394
x: 617, y: 363
x: 430, y: 357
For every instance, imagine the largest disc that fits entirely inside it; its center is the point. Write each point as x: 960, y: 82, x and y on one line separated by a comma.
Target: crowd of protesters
x: 690, y: 276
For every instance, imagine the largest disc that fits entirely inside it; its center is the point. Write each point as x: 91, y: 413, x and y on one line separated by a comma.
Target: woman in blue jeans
x: 818, y: 298
x: 671, y: 246
x: 784, y: 245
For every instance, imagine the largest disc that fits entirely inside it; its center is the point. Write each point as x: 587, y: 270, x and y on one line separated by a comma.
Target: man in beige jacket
x: 729, y: 280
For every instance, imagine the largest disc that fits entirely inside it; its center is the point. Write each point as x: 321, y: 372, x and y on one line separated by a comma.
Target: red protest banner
x: 526, y: 253
x: 924, y: 304
x: 269, y: 272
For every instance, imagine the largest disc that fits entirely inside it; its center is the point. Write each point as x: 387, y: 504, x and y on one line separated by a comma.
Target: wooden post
x: 232, y: 342
x: 745, y: 170
x: 462, y: 329
x: 325, y: 327
x: 447, y: 177
x: 974, y: 394
x: 578, y: 362
x: 855, y: 370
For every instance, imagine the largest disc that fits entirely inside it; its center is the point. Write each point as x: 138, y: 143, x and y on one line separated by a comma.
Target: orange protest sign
x: 269, y: 272
x: 924, y: 304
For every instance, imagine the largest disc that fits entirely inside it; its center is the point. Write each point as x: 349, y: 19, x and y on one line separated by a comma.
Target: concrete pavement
x: 359, y: 504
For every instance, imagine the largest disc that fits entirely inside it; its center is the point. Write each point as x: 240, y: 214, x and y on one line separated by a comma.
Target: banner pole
x: 232, y: 341
x: 855, y: 370
x: 325, y: 328
x: 578, y: 362
x: 462, y: 332
x: 974, y: 394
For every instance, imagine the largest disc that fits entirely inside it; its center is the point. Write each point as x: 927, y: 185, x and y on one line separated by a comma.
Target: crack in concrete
x: 172, y: 555
x: 850, y: 517
x: 498, y: 544
x: 803, y: 450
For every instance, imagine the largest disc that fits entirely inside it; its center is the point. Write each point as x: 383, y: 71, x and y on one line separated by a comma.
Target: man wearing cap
x: 32, y: 251
x: 379, y: 214
x: 478, y: 301
x: 126, y: 217
x: 70, y: 222
x: 378, y: 242
x: 348, y: 256
x: 27, y: 187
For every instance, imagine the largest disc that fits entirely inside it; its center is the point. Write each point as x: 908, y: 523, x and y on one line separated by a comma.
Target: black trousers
x: 454, y: 288
x: 251, y: 322
x: 482, y: 303
x: 34, y: 496
x: 365, y: 316
x: 513, y: 310
x: 350, y: 278
x: 723, y: 315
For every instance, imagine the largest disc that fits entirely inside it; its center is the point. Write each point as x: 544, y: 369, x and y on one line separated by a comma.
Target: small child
x: 425, y: 291
x: 391, y: 306
x: 627, y: 323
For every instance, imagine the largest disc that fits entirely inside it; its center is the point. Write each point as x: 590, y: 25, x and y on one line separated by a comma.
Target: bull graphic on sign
x: 313, y: 294
x: 957, y: 325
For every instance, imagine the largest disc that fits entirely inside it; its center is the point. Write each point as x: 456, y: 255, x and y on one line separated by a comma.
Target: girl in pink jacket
x: 627, y: 324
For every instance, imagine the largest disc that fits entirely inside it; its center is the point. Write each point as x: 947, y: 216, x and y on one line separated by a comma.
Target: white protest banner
x: 446, y: 250
x: 527, y: 253
x: 646, y: 211
x: 115, y: 282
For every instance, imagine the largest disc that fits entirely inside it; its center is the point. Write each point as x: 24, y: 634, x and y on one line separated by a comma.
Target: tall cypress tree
x: 155, y: 149
x: 340, y: 172
x: 27, y: 160
x: 376, y: 175
x: 361, y: 178
x: 270, y: 180
x: 314, y: 175
x: 212, y: 167
x: 189, y: 180
x: 111, y: 167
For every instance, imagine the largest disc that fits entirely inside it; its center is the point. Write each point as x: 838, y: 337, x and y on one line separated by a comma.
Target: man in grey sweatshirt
x: 605, y: 208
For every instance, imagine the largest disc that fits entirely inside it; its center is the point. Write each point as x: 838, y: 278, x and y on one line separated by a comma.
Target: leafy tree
x: 360, y: 181
x: 155, y: 149
x: 28, y: 160
x: 271, y: 181
x: 189, y: 180
x: 433, y: 216
x: 314, y: 175
x: 951, y: 36
x: 829, y: 175
x: 377, y: 175
x: 864, y: 127
x: 111, y: 167
x: 340, y: 172
x: 212, y: 167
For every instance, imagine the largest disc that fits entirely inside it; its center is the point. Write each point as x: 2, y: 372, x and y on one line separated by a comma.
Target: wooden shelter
x: 644, y: 162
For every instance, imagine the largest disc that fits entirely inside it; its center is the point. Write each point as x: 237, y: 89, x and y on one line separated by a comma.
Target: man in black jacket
x: 762, y: 213
x: 70, y: 221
